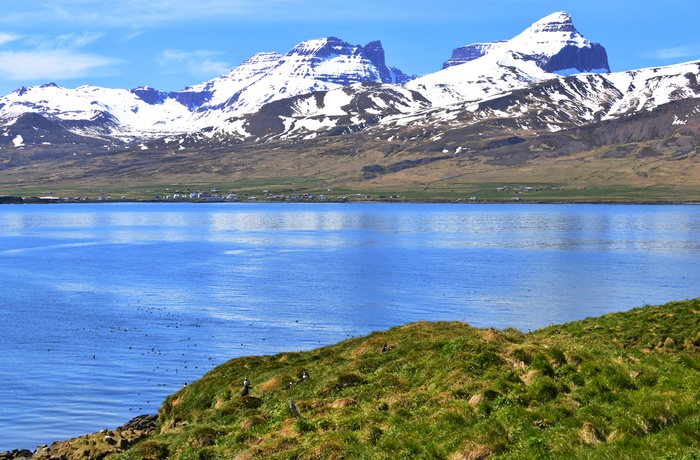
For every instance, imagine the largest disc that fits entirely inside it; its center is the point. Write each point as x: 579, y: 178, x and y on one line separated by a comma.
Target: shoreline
x: 109, y: 442
x: 104, y: 442
x: 7, y: 199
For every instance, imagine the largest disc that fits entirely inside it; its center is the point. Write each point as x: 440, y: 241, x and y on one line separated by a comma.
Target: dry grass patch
x: 270, y: 384
x: 343, y: 402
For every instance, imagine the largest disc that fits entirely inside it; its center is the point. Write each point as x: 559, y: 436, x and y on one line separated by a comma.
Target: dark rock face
x: 375, y: 53
x: 468, y: 53
x: 592, y: 58
x: 586, y: 59
x: 564, y: 49
x: 16, y: 455
x: 8, y: 199
x: 400, y: 77
x: 146, y: 423
x: 150, y: 95
x: 191, y: 99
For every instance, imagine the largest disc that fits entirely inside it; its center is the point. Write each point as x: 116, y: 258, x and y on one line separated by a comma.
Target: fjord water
x: 108, y: 308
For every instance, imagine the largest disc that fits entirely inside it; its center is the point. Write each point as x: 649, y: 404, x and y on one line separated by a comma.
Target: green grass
x: 439, y: 191
x: 626, y: 385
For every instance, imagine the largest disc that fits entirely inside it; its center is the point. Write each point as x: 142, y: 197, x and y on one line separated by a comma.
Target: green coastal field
x: 296, y: 189
x: 622, y: 386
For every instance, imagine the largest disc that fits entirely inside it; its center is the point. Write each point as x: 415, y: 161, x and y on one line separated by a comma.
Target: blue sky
x: 170, y: 44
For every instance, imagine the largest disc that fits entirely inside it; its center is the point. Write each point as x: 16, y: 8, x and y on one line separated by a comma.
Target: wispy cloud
x: 50, y: 64
x: 77, y: 40
x: 139, y: 14
x: 133, y: 12
x: 64, y: 41
x: 678, y: 52
x: 42, y: 57
x: 7, y: 38
x: 132, y: 34
x: 199, y: 63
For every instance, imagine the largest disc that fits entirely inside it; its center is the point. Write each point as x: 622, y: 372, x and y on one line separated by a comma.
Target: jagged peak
x: 552, y: 42
x: 263, y: 56
x: 323, y: 47
x: 264, y: 59
x: 556, y: 28
x: 559, y: 21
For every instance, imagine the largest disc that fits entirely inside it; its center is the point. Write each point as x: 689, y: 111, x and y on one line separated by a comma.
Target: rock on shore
x: 93, y: 446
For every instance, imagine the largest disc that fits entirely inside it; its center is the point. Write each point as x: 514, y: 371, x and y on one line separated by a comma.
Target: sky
x: 171, y: 44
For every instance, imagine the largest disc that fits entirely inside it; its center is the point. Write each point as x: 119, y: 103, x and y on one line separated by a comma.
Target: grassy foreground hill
x: 625, y: 385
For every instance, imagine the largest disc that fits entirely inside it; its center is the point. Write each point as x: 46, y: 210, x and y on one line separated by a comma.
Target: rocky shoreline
x: 93, y: 446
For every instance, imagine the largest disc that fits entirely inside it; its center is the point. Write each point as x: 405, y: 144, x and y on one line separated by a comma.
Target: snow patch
x: 678, y: 121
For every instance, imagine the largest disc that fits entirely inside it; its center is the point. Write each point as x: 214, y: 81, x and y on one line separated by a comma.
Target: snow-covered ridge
x: 315, y: 65
x: 560, y: 102
x: 327, y: 84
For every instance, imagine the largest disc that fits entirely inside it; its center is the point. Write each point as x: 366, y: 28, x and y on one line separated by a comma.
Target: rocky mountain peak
x: 553, y: 43
x: 325, y: 47
x: 375, y: 53
x: 556, y: 22
x: 328, y: 85
x: 370, y: 59
x: 469, y: 53
x: 549, y: 34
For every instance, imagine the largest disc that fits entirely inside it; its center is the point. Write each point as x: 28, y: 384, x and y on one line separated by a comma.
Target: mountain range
x: 328, y: 109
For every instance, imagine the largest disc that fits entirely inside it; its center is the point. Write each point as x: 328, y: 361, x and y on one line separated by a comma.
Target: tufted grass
x: 626, y: 385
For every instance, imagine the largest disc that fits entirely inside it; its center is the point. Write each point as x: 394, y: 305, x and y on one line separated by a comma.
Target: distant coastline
x: 10, y: 199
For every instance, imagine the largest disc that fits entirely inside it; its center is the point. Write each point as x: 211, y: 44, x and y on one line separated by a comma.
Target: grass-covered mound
x: 626, y: 385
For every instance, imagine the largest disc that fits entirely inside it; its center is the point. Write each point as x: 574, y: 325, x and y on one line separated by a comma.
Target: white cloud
x: 40, y: 57
x: 678, y: 52
x: 199, y: 63
x: 7, y: 38
x: 50, y: 64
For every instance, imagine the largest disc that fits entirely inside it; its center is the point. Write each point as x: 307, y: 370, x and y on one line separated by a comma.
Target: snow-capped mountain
x: 553, y: 43
x: 550, y: 103
x: 314, y: 65
x: 561, y: 103
x: 549, y: 77
x: 507, y: 79
x: 550, y: 47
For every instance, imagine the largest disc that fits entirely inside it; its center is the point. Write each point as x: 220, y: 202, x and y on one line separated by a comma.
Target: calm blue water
x: 107, y: 309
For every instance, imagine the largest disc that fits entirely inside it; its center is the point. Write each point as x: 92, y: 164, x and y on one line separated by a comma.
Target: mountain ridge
x: 314, y: 65
x: 330, y: 96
